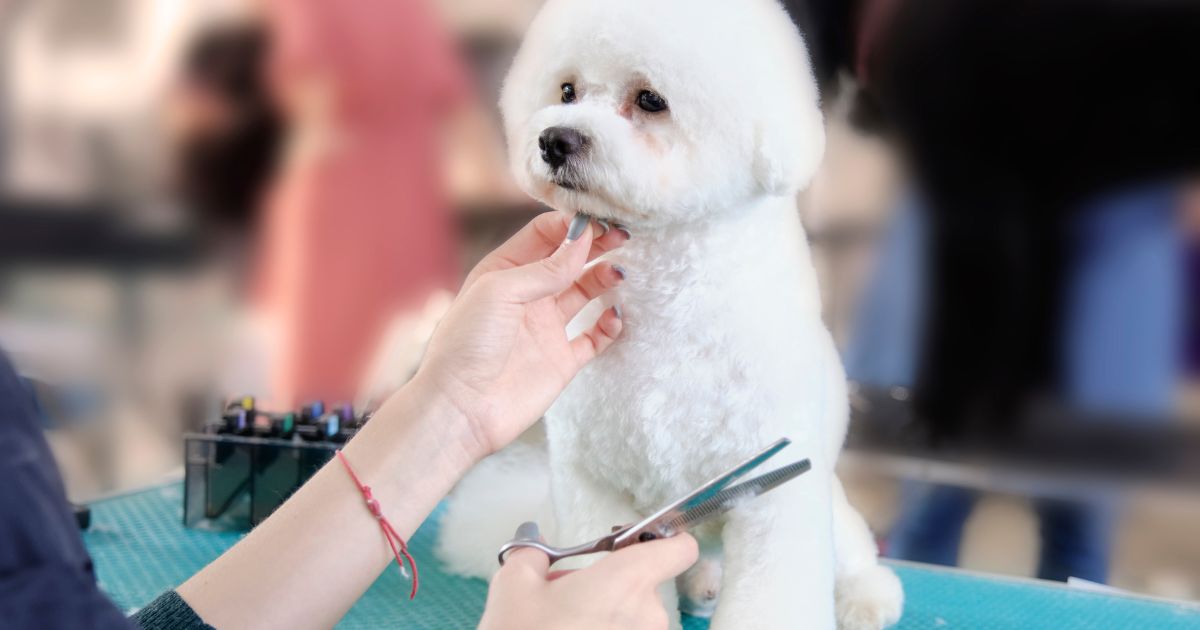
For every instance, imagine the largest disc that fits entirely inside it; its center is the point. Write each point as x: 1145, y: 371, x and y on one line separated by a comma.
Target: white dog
x: 692, y: 123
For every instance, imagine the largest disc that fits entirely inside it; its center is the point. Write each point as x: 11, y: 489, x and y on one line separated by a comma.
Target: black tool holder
x: 234, y: 482
x: 248, y: 462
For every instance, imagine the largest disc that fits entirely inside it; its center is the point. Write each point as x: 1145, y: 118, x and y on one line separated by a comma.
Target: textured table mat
x: 141, y: 549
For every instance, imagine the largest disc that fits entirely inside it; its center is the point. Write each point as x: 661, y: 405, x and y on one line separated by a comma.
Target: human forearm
x: 498, y: 359
x: 307, y: 564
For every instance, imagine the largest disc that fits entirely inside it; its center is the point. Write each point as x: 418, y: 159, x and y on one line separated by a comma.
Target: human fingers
x: 545, y: 277
x: 527, y: 561
x: 598, y: 338
x: 540, y: 238
x: 652, y: 562
x: 610, y: 238
x: 591, y: 285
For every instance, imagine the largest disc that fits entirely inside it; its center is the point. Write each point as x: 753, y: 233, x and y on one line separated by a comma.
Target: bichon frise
x: 693, y: 124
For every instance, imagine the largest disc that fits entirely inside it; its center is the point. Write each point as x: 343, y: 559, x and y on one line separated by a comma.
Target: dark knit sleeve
x: 46, y: 576
x: 169, y: 612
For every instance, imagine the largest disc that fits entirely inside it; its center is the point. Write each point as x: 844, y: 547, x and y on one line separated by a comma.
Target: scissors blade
x: 712, y: 488
x: 698, y: 496
x: 733, y: 496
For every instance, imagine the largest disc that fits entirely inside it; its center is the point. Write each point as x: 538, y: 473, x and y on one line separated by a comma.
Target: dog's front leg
x: 586, y: 509
x: 869, y: 595
x: 778, y: 563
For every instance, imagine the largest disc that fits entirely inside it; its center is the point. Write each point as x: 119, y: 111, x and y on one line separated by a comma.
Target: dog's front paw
x: 699, y: 587
x: 869, y: 600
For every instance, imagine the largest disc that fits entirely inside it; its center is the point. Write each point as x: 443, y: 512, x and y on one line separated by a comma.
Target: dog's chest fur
x: 723, y: 351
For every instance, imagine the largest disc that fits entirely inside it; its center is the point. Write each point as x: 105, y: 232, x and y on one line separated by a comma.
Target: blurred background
x: 201, y: 199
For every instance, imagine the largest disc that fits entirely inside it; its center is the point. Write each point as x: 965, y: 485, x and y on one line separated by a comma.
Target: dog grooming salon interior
x: 451, y: 314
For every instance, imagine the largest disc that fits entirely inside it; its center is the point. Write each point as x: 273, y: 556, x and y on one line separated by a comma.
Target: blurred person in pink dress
x: 357, y: 225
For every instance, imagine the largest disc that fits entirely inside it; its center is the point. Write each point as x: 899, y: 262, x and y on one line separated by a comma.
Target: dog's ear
x: 789, y: 132
x: 788, y: 150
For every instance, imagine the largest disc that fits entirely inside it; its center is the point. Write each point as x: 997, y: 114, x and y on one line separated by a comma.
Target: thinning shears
x: 704, y: 503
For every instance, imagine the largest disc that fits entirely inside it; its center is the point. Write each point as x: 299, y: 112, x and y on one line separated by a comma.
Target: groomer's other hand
x: 501, y: 354
x: 620, y: 592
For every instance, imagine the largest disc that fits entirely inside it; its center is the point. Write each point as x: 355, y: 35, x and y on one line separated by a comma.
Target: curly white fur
x: 723, y: 349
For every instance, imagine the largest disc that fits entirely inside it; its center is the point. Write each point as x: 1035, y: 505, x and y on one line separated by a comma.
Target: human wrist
x: 428, y: 407
x: 463, y: 410
x: 416, y: 432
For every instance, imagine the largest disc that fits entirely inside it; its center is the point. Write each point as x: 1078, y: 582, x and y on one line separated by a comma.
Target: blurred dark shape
x: 48, y: 234
x: 1192, y: 356
x: 83, y: 515
x: 228, y: 129
x: 1013, y: 115
x: 1053, y: 443
x: 828, y: 33
x: 1047, y: 141
x: 488, y: 56
x: 832, y: 31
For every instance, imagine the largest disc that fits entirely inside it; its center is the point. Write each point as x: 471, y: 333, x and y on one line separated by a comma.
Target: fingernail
x: 620, y: 271
x: 604, y: 226
x: 624, y: 230
x: 528, y: 531
x: 578, y: 225
x: 617, y: 311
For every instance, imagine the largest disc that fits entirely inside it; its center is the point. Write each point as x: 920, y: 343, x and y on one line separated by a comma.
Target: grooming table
x: 141, y: 549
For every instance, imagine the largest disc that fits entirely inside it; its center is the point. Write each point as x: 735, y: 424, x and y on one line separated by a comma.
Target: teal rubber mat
x: 141, y: 549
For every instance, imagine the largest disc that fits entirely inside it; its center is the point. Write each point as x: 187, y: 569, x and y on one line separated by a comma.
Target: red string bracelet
x: 399, y: 549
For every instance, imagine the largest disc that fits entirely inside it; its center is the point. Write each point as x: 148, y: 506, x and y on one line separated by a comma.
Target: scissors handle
x: 528, y: 536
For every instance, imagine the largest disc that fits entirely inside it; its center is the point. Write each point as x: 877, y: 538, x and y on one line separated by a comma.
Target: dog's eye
x: 568, y: 93
x: 651, y: 102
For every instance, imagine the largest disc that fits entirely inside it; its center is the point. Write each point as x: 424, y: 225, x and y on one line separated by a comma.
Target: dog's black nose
x: 559, y: 143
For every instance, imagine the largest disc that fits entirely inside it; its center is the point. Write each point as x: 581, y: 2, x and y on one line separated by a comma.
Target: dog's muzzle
x: 558, y: 144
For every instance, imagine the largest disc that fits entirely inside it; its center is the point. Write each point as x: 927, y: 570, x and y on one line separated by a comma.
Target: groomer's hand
x: 620, y: 592
x: 501, y: 354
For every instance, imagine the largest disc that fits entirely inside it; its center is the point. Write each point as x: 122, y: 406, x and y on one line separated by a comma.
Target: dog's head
x: 652, y: 112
